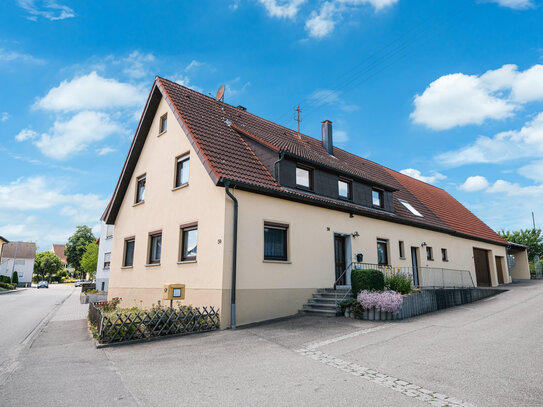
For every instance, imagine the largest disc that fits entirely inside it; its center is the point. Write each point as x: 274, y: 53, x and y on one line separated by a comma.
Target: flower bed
x: 110, y: 324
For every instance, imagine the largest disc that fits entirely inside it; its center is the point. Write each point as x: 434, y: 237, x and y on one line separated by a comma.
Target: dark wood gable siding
x: 325, y: 183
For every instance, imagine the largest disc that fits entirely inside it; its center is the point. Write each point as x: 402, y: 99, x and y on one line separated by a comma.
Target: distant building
x: 59, y: 249
x: 2, y: 241
x: 18, y: 257
x: 104, y: 257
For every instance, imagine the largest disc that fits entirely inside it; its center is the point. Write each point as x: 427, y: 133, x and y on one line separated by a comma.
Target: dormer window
x: 344, y: 189
x: 163, y: 126
x: 377, y: 198
x: 304, y: 177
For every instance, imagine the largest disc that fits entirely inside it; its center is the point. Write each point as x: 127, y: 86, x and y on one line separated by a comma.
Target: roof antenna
x: 220, y: 94
x: 298, y: 118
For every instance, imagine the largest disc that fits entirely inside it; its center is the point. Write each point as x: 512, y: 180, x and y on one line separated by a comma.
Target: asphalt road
x: 22, y: 313
x: 487, y: 353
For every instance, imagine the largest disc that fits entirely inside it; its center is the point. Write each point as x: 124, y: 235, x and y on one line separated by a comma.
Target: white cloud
x: 377, y: 4
x: 505, y: 146
x: 135, y: 64
x: 430, y: 179
x: 91, y: 92
x: 515, y: 190
x: 10, y: 56
x: 26, y: 134
x: 458, y: 99
x: 322, y: 23
x: 475, y: 183
x: 4, y: 116
x: 68, y: 137
x: 48, y: 9
x: 533, y: 171
x: 340, y: 136
x: 515, y: 4
x: 184, y: 80
x: 105, y: 150
x: 330, y: 97
x: 193, y: 65
x: 282, y: 8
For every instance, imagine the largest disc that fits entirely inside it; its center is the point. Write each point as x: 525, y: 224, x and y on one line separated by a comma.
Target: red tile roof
x: 217, y: 131
x: 58, y: 249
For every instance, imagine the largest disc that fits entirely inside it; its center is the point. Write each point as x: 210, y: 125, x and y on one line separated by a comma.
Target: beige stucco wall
x: 274, y: 289
x: 167, y: 209
x: 521, y: 270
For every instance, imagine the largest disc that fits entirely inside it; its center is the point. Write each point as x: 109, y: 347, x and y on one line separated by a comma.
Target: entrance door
x: 499, y: 269
x: 482, y: 268
x: 415, y: 262
x: 339, y: 253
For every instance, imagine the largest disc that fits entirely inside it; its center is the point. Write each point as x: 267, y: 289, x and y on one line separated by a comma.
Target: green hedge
x: 7, y: 286
x: 371, y: 280
x: 5, y: 279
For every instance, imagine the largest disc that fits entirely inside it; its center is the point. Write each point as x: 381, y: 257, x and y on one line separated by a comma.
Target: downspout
x: 234, y: 256
x: 275, y: 172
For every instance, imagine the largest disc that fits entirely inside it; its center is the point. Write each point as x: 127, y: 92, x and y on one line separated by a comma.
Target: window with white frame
x: 182, y: 170
x: 107, y: 260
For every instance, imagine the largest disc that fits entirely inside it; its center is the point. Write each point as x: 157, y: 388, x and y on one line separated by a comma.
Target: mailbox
x: 174, y: 292
x: 359, y: 257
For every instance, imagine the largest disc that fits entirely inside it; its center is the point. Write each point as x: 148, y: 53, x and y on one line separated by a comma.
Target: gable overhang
x: 142, y: 131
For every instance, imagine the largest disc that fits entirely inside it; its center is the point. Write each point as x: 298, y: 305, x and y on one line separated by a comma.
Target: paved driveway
x: 486, y: 354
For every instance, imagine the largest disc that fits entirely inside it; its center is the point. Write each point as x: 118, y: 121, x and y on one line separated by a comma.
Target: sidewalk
x: 62, y: 367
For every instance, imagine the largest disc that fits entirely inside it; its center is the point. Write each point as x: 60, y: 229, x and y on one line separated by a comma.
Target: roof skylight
x: 410, y: 208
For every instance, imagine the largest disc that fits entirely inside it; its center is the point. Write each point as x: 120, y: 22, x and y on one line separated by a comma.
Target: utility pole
x: 298, y: 118
x: 533, y: 219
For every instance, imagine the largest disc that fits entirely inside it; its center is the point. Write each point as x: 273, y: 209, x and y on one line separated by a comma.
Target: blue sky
x: 447, y: 91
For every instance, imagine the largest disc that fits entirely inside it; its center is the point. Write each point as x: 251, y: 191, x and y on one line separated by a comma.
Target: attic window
x: 410, y: 208
x: 163, y: 124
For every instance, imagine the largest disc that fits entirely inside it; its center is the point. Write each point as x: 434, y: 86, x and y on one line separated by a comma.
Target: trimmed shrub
x: 15, y: 279
x: 400, y: 282
x: 371, y: 280
x: 5, y: 279
x: 7, y: 286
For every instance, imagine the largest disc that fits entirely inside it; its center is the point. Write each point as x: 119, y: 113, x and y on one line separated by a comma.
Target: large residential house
x: 104, y: 257
x: 59, y: 250
x: 18, y: 257
x: 253, y: 217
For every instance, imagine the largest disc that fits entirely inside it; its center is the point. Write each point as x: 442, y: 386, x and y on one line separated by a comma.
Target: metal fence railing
x: 427, y: 276
x: 145, y: 324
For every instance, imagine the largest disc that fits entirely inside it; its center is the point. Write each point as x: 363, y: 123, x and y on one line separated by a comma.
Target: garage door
x: 482, y: 269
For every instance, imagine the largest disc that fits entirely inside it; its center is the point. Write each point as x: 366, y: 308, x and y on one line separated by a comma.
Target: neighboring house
x: 59, y: 250
x: 209, y: 192
x: 18, y: 257
x: 104, y: 257
x: 2, y: 241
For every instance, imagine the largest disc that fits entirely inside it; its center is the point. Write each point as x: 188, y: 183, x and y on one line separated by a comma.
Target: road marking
x: 347, y: 336
x: 393, y: 383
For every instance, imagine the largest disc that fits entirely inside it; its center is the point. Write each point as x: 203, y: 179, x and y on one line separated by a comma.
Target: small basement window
x: 163, y: 124
x: 377, y: 198
x: 410, y: 208
x: 304, y: 178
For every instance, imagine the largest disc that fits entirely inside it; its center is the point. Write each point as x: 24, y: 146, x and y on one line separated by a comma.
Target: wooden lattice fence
x: 145, y: 324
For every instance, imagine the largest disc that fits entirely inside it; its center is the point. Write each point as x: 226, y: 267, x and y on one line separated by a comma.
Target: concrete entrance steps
x: 323, y: 301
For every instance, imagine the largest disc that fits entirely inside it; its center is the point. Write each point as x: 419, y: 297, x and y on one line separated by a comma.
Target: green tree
x: 532, y: 238
x: 15, y: 278
x: 90, y: 260
x: 77, y: 245
x: 47, y: 264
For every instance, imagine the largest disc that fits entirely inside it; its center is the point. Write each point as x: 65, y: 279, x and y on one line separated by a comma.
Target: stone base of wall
x: 427, y: 301
x: 97, y: 297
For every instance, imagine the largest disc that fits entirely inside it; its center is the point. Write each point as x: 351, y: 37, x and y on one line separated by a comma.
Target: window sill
x: 139, y: 203
x: 445, y: 261
x: 153, y: 265
x: 277, y: 261
x: 109, y: 237
x: 164, y: 132
x: 430, y: 259
x: 402, y: 258
x: 180, y: 187
x: 127, y: 267
x: 186, y: 261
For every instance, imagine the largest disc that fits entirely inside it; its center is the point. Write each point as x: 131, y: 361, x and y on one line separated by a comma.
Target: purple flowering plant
x: 388, y: 301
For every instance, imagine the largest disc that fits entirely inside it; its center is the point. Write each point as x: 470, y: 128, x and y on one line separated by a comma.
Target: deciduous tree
x: 90, y: 260
x: 532, y: 238
x: 77, y: 245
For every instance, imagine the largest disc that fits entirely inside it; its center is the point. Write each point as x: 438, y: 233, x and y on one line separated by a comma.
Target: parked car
x: 78, y: 283
x: 43, y: 284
